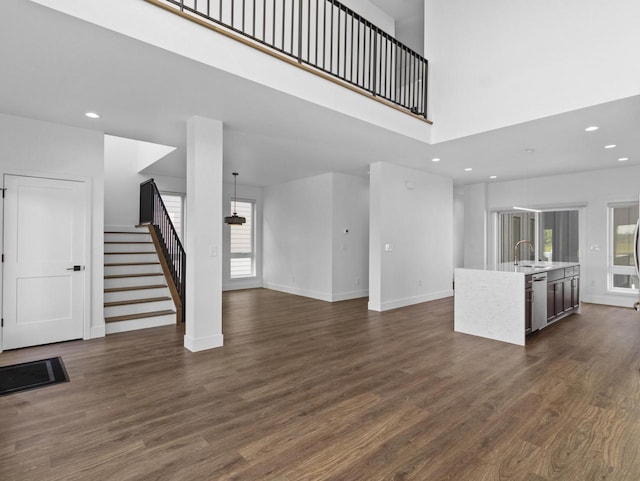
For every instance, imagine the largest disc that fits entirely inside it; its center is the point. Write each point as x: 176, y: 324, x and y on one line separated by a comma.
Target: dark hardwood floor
x: 307, y: 390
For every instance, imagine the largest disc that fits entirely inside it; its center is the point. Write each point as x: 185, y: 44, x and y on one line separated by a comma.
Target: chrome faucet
x: 516, y: 251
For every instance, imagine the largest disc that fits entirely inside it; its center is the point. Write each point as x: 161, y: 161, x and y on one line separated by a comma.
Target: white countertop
x: 525, y: 267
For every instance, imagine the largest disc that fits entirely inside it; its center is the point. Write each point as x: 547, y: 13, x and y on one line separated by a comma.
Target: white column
x: 204, y: 235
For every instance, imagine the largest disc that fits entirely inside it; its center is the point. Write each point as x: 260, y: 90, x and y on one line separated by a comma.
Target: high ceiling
x: 56, y: 68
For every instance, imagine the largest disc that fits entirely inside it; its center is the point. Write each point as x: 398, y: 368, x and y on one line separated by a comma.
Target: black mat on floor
x: 32, y: 375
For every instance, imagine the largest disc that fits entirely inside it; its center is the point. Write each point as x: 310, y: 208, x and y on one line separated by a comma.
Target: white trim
x: 345, y: 296
x: 204, y: 343
x: 98, y: 331
x: 611, y: 268
x: 321, y: 296
x: 134, y: 324
x: 409, y: 301
x: 620, y: 300
x: 242, y: 283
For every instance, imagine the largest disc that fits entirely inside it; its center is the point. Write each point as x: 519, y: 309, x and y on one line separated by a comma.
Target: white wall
x: 501, y: 62
x: 306, y: 251
x: 594, y: 190
x: 475, y: 225
x: 248, y: 193
x: 372, y: 13
x: 297, y: 237
x: 121, y: 182
x: 458, y: 227
x: 413, y: 212
x: 350, y: 250
x: 32, y: 147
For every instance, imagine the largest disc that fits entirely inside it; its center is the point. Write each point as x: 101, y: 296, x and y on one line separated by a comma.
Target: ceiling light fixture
x: 610, y: 146
x: 92, y: 115
x: 234, y: 219
x: 468, y: 169
x: 493, y: 177
x: 436, y: 159
x: 622, y: 159
x: 592, y: 128
x: 526, y: 209
x: 529, y: 151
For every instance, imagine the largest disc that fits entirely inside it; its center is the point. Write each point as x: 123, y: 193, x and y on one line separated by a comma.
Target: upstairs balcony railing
x: 327, y: 36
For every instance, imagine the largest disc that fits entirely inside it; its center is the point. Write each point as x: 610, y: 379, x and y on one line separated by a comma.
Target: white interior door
x: 44, y: 237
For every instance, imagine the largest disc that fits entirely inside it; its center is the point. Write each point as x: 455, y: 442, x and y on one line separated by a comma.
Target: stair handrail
x: 154, y: 213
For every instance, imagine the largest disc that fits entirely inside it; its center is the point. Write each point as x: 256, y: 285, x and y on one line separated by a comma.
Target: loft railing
x: 327, y: 36
x: 154, y: 214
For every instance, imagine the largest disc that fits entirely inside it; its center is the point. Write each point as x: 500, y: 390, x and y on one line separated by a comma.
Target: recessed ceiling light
x: 493, y: 177
x: 435, y: 160
x: 529, y: 151
x: 610, y: 146
x: 622, y: 159
x: 592, y: 128
x: 92, y: 115
x: 468, y: 169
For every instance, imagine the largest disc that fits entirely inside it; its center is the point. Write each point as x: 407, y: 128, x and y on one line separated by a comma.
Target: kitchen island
x: 506, y: 302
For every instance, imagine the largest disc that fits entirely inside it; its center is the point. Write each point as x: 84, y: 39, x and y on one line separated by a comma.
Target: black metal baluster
x: 413, y: 82
x: 351, y: 51
x: 299, y: 31
x: 331, y: 47
x: 358, y: 56
x: 308, y: 30
x: 316, y: 55
x: 293, y: 3
x: 324, y: 33
x: 425, y: 82
x: 284, y: 4
x: 338, y: 38
x: 405, y: 102
x: 375, y: 62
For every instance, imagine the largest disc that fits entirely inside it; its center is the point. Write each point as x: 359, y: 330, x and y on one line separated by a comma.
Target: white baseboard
x: 616, y: 301
x: 203, y: 343
x: 97, y: 331
x: 345, y: 296
x: 322, y: 296
x: 239, y: 285
x: 409, y: 301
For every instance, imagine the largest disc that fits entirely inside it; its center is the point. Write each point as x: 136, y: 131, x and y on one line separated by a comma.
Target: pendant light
x: 234, y: 219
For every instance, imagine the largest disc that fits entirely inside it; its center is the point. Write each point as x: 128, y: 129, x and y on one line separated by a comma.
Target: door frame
x: 88, y: 214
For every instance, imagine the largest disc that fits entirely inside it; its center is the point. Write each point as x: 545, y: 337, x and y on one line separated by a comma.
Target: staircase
x: 136, y: 294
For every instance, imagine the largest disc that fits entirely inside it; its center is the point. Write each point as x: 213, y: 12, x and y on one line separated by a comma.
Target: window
x: 555, y: 233
x: 175, y: 208
x: 242, y: 242
x: 622, y: 272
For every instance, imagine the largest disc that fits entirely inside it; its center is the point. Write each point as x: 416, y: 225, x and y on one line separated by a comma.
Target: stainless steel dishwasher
x: 539, y: 308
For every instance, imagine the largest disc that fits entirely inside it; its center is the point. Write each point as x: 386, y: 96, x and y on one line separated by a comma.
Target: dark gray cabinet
x: 563, y: 292
x: 528, y: 303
